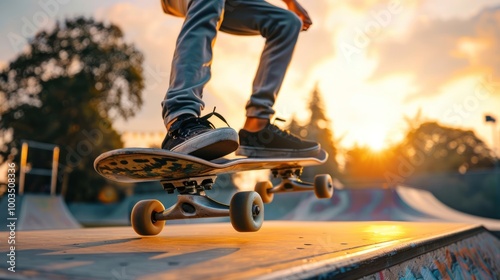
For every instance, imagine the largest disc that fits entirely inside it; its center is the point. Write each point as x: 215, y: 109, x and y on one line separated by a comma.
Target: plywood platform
x: 279, y: 249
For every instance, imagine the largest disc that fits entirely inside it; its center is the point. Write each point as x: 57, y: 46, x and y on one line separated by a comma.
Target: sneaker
x: 199, y: 137
x: 275, y: 142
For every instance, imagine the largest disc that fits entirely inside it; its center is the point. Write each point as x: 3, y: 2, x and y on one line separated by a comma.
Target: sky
x: 375, y: 62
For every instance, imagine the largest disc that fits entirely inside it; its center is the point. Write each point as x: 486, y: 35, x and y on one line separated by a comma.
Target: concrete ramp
x: 280, y: 250
x: 37, y: 212
x: 358, y: 205
x: 425, y: 202
x: 398, y: 204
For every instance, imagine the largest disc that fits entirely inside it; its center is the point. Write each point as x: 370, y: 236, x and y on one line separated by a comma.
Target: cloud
x: 448, y: 9
x: 367, y: 5
x: 438, y: 52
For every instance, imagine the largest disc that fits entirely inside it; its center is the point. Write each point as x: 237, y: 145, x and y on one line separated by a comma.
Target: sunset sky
x: 374, y: 61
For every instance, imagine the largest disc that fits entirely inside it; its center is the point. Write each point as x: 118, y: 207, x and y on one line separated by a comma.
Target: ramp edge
x: 377, y: 261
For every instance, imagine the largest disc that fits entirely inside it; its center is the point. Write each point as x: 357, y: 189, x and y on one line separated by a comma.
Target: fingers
x: 306, y: 23
x: 302, y: 14
x: 306, y: 19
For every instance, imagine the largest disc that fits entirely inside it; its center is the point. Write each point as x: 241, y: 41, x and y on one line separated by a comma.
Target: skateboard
x: 191, y: 177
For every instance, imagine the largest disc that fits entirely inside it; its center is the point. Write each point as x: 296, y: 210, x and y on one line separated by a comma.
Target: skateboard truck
x: 189, y: 185
x: 194, y: 206
x: 290, y: 181
x: 192, y: 201
x: 198, y: 206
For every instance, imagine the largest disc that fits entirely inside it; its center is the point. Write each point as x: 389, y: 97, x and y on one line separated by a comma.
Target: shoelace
x: 188, y: 125
x: 207, y: 116
x: 282, y: 132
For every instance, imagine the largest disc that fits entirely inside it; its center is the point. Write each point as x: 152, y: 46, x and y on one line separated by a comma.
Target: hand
x: 295, y: 7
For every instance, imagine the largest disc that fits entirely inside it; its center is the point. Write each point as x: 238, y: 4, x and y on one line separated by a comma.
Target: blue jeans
x: 191, y: 65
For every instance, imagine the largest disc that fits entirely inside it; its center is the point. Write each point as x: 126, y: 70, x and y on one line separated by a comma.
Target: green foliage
x: 67, y: 89
x: 436, y: 148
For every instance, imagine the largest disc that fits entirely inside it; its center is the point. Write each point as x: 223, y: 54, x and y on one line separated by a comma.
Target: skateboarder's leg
x: 192, y: 59
x: 187, y: 132
x: 281, y: 28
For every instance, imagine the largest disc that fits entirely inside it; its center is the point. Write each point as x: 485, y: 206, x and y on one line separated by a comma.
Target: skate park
x: 402, y: 97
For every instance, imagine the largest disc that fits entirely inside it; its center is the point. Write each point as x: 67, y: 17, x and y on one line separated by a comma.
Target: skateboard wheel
x: 262, y: 188
x: 142, y: 217
x: 323, y: 186
x: 246, y: 211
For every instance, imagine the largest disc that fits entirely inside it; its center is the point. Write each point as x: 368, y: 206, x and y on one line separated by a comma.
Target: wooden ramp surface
x: 278, y: 250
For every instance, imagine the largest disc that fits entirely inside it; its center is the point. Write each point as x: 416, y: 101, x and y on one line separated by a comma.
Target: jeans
x: 191, y: 64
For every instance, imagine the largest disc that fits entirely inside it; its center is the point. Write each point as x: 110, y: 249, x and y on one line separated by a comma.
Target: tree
x: 427, y: 148
x: 435, y: 148
x: 67, y: 89
x: 318, y: 129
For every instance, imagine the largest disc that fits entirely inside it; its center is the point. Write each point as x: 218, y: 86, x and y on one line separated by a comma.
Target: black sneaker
x: 198, y: 137
x: 275, y: 142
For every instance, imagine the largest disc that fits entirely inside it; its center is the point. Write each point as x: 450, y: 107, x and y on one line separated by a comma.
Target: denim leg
x: 281, y: 29
x: 192, y: 59
x: 193, y: 55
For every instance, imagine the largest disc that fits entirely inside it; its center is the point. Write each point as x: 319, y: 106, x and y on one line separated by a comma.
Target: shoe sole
x: 276, y: 153
x: 211, y: 144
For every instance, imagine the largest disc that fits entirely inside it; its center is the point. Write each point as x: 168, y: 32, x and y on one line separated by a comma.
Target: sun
x: 376, y: 143
x: 375, y: 139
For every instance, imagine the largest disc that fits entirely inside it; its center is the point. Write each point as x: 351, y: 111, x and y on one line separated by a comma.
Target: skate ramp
x: 426, y: 202
x: 397, y: 204
x: 358, y: 205
x: 39, y: 212
x: 279, y: 250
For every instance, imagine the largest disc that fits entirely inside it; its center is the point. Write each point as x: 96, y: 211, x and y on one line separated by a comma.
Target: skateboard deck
x: 147, y: 164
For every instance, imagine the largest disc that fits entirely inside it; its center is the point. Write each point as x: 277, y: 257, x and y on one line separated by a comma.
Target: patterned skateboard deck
x: 146, y: 164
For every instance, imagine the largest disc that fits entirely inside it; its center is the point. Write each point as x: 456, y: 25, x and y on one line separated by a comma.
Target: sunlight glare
x: 382, y: 232
x: 376, y: 141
